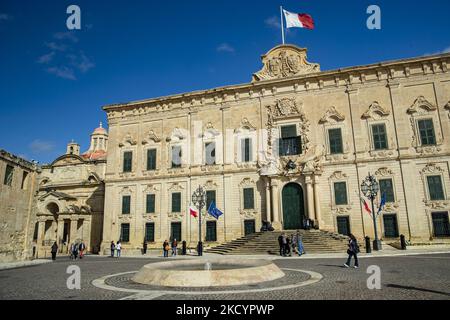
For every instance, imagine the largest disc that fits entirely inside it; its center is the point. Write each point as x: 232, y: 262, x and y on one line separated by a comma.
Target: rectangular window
x: 379, y: 136
x: 246, y: 146
x: 211, y: 231
x: 176, y: 157
x: 335, y: 136
x: 340, y: 193
x: 210, y: 197
x: 343, y: 225
x: 249, y: 227
x: 8, y: 175
x: 440, y: 224
x: 435, y: 188
x: 426, y: 130
x: 150, y: 204
x: 387, y: 188
x: 390, y: 225
x: 290, y: 143
x: 151, y: 159
x: 127, y: 161
x: 126, y: 204
x: 150, y: 232
x: 176, y: 202
x: 24, y: 180
x: 210, y: 153
x: 175, y: 231
x: 249, y: 201
x: 125, y: 232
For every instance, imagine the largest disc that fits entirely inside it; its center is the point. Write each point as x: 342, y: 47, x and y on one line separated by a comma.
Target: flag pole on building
x: 282, y: 24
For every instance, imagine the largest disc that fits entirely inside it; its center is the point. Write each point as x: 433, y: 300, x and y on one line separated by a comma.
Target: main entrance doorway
x: 293, y: 206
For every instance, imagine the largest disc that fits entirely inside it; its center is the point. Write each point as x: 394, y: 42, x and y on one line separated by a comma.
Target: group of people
x: 116, y: 249
x: 167, y: 247
x: 76, y: 250
x: 292, y: 244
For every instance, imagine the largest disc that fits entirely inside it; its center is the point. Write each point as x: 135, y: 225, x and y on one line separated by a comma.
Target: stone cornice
x: 233, y: 93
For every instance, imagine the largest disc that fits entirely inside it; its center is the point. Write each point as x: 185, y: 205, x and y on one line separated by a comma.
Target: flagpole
x: 282, y: 24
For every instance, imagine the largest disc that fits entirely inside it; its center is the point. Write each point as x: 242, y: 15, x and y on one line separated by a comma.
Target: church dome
x: 100, y: 130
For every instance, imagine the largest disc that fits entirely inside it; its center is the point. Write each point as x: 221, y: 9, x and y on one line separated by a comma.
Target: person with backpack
x: 113, y: 247
x: 81, y: 249
x: 74, y: 250
x: 165, y: 248
x: 352, y: 251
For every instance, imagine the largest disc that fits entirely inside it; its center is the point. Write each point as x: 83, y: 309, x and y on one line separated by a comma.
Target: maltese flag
x: 193, y: 212
x: 298, y: 20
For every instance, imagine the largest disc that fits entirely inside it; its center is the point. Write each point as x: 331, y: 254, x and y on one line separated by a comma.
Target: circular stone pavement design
x: 122, y: 282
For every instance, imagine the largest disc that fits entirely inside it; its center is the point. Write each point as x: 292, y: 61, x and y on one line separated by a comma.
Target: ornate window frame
x: 333, y: 119
x: 151, y: 189
x: 248, y: 213
x: 177, y: 138
x: 176, y: 187
x: 209, y: 135
x: 128, y: 144
x: 339, y: 176
x: 432, y: 169
x: 390, y: 207
x: 422, y: 109
x: 127, y: 191
x: 245, y: 131
x: 151, y: 141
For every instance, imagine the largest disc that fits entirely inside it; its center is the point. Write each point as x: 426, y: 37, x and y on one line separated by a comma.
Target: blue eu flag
x: 382, y: 203
x: 213, y: 211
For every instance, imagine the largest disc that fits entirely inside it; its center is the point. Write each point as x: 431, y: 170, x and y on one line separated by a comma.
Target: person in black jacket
x: 353, y: 250
x: 280, y: 243
x: 54, y: 251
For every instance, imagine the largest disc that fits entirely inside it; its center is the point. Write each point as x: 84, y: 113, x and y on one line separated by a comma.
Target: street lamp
x: 199, y: 200
x: 370, y: 188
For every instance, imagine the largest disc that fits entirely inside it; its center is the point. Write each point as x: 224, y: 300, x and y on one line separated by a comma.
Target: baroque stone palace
x: 294, y: 143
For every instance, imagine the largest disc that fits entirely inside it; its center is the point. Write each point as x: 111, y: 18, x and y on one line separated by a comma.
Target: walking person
x: 144, y: 248
x: 284, y: 244
x: 81, y: 249
x: 300, y: 248
x: 288, y: 247
x: 353, y: 250
x: 75, y: 250
x: 174, y: 247
x: 118, y: 249
x: 280, y: 243
x: 165, y: 248
x: 113, y: 247
x: 54, y: 251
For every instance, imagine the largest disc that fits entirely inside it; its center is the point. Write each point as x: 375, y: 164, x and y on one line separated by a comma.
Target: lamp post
x: 370, y: 188
x: 199, y: 200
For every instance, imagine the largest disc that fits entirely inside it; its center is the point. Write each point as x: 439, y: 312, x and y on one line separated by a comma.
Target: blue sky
x: 53, y: 82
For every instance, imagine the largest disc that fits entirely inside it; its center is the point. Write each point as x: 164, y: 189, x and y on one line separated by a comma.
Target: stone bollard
x: 368, y: 248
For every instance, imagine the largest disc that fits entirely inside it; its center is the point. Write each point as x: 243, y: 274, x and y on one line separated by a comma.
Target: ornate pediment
x: 421, y: 103
x: 245, y: 125
x: 338, y: 175
x: 67, y: 160
x: 332, y: 116
x: 384, y: 172
x: 285, y: 61
x: 285, y: 107
x: 151, y: 136
x: 375, y: 111
x: 128, y: 140
x: 432, y: 168
x: 177, y: 135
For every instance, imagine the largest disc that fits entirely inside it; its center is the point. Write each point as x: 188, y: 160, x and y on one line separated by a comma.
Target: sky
x: 54, y: 81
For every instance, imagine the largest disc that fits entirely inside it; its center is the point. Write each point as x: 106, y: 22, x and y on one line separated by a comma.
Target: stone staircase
x: 314, y: 241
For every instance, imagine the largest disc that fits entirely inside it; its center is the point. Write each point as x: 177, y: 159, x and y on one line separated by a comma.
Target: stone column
x: 317, y: 202
x: 268, y: 201
x: 73, y: 229
x: 60, y: 234
x: 87, y: 234
x: 309, y: 196
x: 41, y: 238
x: 276, y: 210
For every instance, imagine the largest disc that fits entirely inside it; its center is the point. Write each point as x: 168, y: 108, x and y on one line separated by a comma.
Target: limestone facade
x: 71, y: 197
x: 294, y: 143
x: 18, y: 185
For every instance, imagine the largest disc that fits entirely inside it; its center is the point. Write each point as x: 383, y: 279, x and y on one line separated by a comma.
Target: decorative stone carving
x: 210, y: 185
x: 285, y: 61
x: 286, y: 107
x: 441, y: 204
x: 421, y: 103
x: 128, y: 139
x: 245, y: 125
x: 151, y: 136
x: 375, y: 111
x: 384, y: 172
x: 332, y: 116
x: 338, y: 175
x: 432, y: 168
x: 177, y: 135
x: 176, y: 187
x: 381, y: 153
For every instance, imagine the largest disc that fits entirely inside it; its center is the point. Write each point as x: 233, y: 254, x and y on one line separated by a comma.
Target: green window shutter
x: 246, y: 149
x: 210, y: 197
x: 151, y: 159
x: 150, y: 207
x: 176, y: 202
x: 126, y: 204
x: 335, y: 137
x: 390, y: 225
x: 379, y: 137
x: 249, y: 201
x: 426, y: 130
x: 435, y: 188
x: 340, y: 193
x: 387, y: 188
x: 211, y: 231
x: 127, y: 161
x: 150, y: 232
x: 125, y: 232
x: 9, y: 173
x: 176, y: 157
x: 441, y: 226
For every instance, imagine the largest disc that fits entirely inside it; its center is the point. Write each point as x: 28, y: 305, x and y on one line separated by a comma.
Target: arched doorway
x: 293, y: 206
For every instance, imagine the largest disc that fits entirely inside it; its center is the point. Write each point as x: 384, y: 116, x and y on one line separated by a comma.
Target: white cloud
x: 225, y: 47
x: 62, y: 72
x: 55, y: 46
x: 46, y: 58
x: 5, y: 17
x: 39, y: 146
x: 81, y: 62
x: 446, y: 50
x: 273, y: 22
x: 68, y: 35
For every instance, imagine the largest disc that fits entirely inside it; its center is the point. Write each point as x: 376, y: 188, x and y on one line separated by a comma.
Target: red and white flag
x: 193, y: 212
x: 298, y: 20
x: 366, y: 206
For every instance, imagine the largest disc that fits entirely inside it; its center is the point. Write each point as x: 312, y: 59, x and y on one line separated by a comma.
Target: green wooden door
x: 249, y: 227
x: 293, y: 206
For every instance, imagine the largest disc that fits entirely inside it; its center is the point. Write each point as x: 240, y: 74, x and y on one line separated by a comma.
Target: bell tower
x: 73, y: 148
